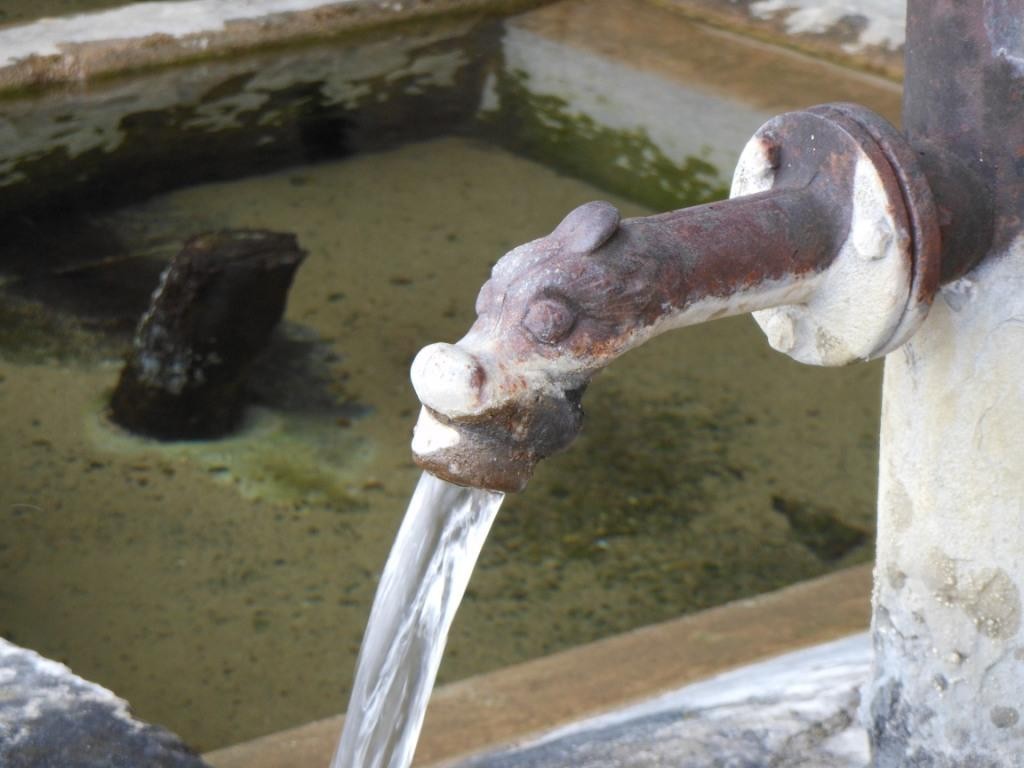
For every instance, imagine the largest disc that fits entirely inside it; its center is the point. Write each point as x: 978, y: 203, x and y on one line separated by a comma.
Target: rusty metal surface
x: 963, y: 95
x: 559, y: 309
x: 562, y: 307
x: 963, y: 202
x: 920, y: 207
x: 884, y: 275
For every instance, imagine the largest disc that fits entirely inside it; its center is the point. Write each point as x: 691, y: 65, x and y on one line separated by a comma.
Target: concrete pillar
x: 948, y: 687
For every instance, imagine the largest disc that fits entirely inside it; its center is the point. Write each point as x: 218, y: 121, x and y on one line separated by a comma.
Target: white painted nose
x: 448, y: 379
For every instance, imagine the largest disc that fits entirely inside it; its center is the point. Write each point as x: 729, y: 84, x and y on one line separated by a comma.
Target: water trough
x: 549, y: 84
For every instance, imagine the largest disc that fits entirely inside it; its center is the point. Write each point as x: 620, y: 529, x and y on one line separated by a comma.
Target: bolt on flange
x: 881, y: 282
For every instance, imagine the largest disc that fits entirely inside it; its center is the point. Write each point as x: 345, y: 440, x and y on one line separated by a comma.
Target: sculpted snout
x: 488, y: 430
x: 448, y: 379
x: 508, y: 394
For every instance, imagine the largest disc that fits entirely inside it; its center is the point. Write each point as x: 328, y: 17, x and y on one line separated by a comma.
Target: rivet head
x: 872, y: 238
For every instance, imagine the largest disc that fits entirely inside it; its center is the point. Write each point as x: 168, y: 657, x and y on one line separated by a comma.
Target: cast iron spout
x: 557, y: 310
x: 560, y: 308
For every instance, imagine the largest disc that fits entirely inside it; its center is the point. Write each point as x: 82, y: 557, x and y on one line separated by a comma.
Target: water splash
x: 420, y: 590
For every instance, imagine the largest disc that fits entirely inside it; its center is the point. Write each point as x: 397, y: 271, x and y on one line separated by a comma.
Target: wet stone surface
x: 65, y: 152
x: 50, y: 717
x: 215, y: 311
x: 796, y: 711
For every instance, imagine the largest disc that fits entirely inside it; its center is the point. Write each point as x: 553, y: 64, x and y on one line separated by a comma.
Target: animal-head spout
x: 508, y: 393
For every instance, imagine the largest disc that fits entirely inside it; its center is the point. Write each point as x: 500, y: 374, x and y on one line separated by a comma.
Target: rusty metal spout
x: 827, y: 211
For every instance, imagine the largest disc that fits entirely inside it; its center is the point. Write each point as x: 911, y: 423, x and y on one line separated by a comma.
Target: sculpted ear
x: 588, y: 227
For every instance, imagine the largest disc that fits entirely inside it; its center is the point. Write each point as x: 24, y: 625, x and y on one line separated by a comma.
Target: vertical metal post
x: 948, y: 688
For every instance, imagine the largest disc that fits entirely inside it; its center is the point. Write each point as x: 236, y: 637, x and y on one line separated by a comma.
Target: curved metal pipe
x: 560, y: 308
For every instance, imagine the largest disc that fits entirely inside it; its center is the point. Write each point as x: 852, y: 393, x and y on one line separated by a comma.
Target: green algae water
x: 223, y: 587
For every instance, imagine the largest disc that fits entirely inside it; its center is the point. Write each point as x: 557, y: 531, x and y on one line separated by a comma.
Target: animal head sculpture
x: 554, y: 312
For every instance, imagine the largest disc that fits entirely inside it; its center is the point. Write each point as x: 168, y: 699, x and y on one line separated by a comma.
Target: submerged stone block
x: 51, y: 718
x: 217, y: 304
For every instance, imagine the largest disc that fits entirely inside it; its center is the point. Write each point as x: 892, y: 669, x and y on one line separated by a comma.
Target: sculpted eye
x: 549, y: 320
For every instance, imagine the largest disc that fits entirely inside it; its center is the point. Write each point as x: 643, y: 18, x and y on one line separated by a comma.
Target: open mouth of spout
x: 497, y: 449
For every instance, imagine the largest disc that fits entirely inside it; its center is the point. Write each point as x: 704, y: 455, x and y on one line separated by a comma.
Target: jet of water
x: 420, y: 590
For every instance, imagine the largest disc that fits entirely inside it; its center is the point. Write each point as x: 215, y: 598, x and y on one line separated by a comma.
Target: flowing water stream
x: 420, y: 590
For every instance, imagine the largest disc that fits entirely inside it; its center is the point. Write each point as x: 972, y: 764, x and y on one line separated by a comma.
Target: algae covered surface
x: 625, y: 161
x: 222, y: 587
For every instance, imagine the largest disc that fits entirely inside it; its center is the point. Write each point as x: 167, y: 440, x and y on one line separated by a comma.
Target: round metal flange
x: 877, y: 288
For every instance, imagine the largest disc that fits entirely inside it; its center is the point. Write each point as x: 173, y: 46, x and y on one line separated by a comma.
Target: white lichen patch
x: 1006, y: 33
x: 882, y: 22
x: 227, y: 112
x: 987, y: 596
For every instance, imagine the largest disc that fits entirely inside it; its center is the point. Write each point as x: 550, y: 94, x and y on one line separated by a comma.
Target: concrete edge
x: 73, y: 49
x: 797, y: 709
x: 51, y: 716
x: 834, y: 40
x: 77, y: 48
x: 523, y: 700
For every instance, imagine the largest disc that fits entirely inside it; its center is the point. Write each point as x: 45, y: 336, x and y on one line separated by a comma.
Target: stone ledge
x: 871, y: 39
x: 72, y: 49
x: 76, y: 48
x: 798, y: 710
x: 51, y: 717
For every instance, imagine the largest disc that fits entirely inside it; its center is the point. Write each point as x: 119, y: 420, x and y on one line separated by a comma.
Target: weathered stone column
x: 948, y: 687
